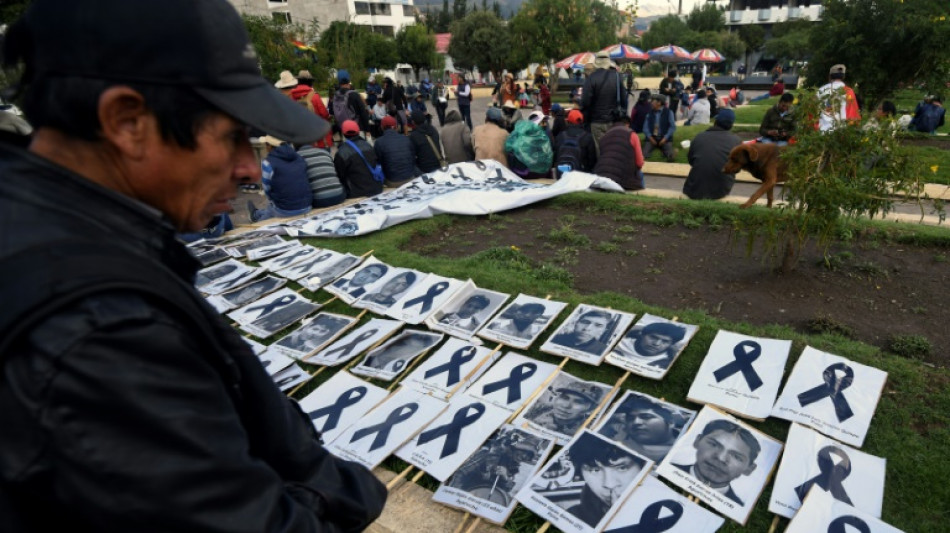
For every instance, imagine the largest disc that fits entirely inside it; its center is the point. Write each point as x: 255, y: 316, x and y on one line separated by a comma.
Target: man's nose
x: 247, y: 168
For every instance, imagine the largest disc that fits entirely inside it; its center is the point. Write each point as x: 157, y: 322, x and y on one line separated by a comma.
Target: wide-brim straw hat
x: 602, y: 60
x: 286, y: 81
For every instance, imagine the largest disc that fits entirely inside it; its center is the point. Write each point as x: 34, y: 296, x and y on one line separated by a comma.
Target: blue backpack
x: 376, y: 171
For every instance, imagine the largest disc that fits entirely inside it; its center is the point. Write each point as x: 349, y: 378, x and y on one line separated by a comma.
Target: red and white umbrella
x: 575, y: 60
x: 624, y: 53
x: 670, y: 54
x: 708, y: 55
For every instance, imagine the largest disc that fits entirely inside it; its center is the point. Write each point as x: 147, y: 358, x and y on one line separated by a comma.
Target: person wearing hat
x: 620, y: 157
x: 658, y: 128
x: 373, y: 90
x: 396, y: 153
x: 509, y: 90
x: 306, y: 95
x: 286, y: 82
x: 347, y: 104
x: 136, y: 407
x: 672, y: 89
x: 640, y: 110
x: 574, y: 146
x: 558, y: 120
x: 456, y: 139
x: 284, y: 176
x: 840, y: 102
x: 354, y: 171
x: 488, y: 140
x: 564, y: 409
x: 708, y: 153
x: 604, y: 100
x: 512, y: 114
x: 426, y: 144
x: 418, y: 104
x: 588, y: 333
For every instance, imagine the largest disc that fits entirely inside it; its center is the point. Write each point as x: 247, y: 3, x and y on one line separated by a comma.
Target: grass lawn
x: 911, y: 427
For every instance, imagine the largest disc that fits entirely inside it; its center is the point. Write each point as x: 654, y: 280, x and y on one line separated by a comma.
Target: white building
x: 383, y: 16
x: 768, y: 12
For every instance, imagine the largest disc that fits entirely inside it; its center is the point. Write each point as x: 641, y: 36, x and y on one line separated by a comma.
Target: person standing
x: 672, y: 89
x: 658, y: 129
x: 463, y: 94
x: 840, y: 103
x: 373, y: 91
x: 347, y: 104
x: 603, y: 99
x: 708, y: 153
x: 135, y: 406
x: 440, y: 100
x: 305, y: 94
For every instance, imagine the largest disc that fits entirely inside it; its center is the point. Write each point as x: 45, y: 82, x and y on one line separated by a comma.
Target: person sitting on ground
x: 284, y: 176
x: 777, y: 89
x: 396, y: 154
x: 512, y: 115
x: 736, y: 98
x: 708, y: 153
x: 418, y: 104
x: 489, y: 138
x: 698, y: 113
x: 558, y: 120
x: 778, y: 124
x: 306, y: 95
x: 640, y: 110
x: 621, y: 158
x: 376, y: 124
x: 325, y: 186
x: 575, y: 147
x: 929, y: 115
x: 353, y: 171
x: 457, y: 139
x: 658, y: 128
x: 425, y: 140
x: 713, y: 99
x: 528, y: 149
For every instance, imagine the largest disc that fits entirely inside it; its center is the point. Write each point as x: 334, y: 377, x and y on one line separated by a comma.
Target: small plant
x: 566, y: 234
x: 620, y: 239
x: 918, y: 310
x: 606, y: 247
x: 692, y: 223
x: 567, y: 255
x: 871, y: 269
x: 940, y: 258
x: 826, y: 324
x: 912, y: 346
x: 837, y: 261
x: 653, y: 270
x: 629, y: 252
x: 626, y: 228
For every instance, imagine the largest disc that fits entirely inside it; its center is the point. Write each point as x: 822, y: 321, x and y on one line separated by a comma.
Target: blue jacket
x: 287, y: 186
x: 666, y: 121
x: 397, y: 155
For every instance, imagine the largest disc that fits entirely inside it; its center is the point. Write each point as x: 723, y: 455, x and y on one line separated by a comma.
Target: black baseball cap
x: 198, y: 44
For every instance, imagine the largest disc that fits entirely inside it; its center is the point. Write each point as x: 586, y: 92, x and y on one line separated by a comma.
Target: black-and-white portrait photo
x: 723, y: 462
x: 388, y: 290
x: 251, y: 292
x: 329, y: 272
x: 387, y: 361
x: 280, y: 317
x: 260, y: 252
x: 307, y: 267
x: 486, y: 483
x: 291, y: 257
x: 239, y: 247
x: 209, y: 257
x: 467, y: 311
x: 519, y: 324
x: 355, y: 342
x: 645, y: 424
x: 588, y: 333
x: 220, y: 271
x: 813, y: 460
x: 314, y: 335
x: 353, y: 284
x: 290, y: 377
x: 651, y: 346
x: 560, y: 410
x: 588, y: 480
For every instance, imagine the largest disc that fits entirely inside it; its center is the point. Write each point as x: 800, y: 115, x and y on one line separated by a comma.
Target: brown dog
x: 762, y: 161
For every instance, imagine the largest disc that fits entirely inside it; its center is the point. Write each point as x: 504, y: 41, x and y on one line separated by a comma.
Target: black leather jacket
x: 123, y: 412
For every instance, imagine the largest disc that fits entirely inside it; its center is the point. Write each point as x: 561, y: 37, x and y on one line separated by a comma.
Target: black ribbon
x: 347, y: 348
x: 426, y: 299
x: 832, y: 389
x: 334, y: 411
x: 300, y: 253
x: 461, y: 175
x: 837, y: 525
x: 513, y: 382
x: 452, y: 431
x: 240, y: 277
x: 743, y: 363
x: 284, y: 300
x: 400, y: 414
x: 650, y: 521
x: 303, y: 267
x: 453, y: 366
x: 831, y: 475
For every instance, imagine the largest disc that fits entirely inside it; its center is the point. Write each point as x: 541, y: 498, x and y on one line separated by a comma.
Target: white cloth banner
x: 474, y: 188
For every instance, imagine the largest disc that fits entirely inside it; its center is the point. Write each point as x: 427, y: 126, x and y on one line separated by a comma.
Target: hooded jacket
x: 426, y: 159
x: 457, y: 139
x: 489, y: 142
x: 397, y: 155
x: 353, y: 172
x: 288, y: 187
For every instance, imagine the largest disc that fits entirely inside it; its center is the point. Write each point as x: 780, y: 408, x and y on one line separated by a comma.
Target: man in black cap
x: 708, y: 153
x: 130, y: 404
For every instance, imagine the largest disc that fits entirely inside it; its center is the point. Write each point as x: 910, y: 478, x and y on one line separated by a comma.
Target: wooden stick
x: 774, y: 524
x: 394, y: 481
x: 478, y: 520
x: 474, y: 370
x: 603, y: 402
x: 544, y: 527
x: 537, y: 391
x: 462, y: 523
x: 328, y: 301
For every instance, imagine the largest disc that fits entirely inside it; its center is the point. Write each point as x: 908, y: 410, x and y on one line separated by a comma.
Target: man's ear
x: 749, y: 469
x: 124, y: 120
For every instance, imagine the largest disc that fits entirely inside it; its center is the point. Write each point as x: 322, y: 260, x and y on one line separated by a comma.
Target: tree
x: 379, y: 51
x: 753, y: 37
x: 708, y: 18
x: 416, y: 45
x: 272, y: 41
x: 665, y: 30
x: 348, y: 46
x: 459, y: 9
x: 790, y: 40
x: 884, y: 43
x: 480, y: 39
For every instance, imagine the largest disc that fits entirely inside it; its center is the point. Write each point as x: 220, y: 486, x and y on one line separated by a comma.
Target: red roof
x: 442, y: 41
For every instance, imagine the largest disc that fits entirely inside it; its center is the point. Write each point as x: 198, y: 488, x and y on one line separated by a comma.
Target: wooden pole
x: 394, y: 481
x: 774, y: 524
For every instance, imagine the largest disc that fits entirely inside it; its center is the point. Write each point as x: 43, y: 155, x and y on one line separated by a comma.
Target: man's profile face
x: 470, y: 307
x: 191, y: 186
x: 647, y: 427
x: 590, y: 327
x: 653, y: 344
x: 568, y: 406
x: 722, y: 456
x: 366, y: 276
x: 608, y: 481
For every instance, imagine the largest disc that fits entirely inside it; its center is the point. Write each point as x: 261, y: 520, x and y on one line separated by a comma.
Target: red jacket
x: 301, y: 91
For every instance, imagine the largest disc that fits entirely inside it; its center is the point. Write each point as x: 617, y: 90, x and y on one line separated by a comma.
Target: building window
x: 362, y: 8
x: 384, y: 30
x: 379, y: 9
x: 408, y: 11
x: 281, y: 17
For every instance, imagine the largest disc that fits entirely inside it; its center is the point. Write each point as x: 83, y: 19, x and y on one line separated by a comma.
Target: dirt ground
x: 871, y: 291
